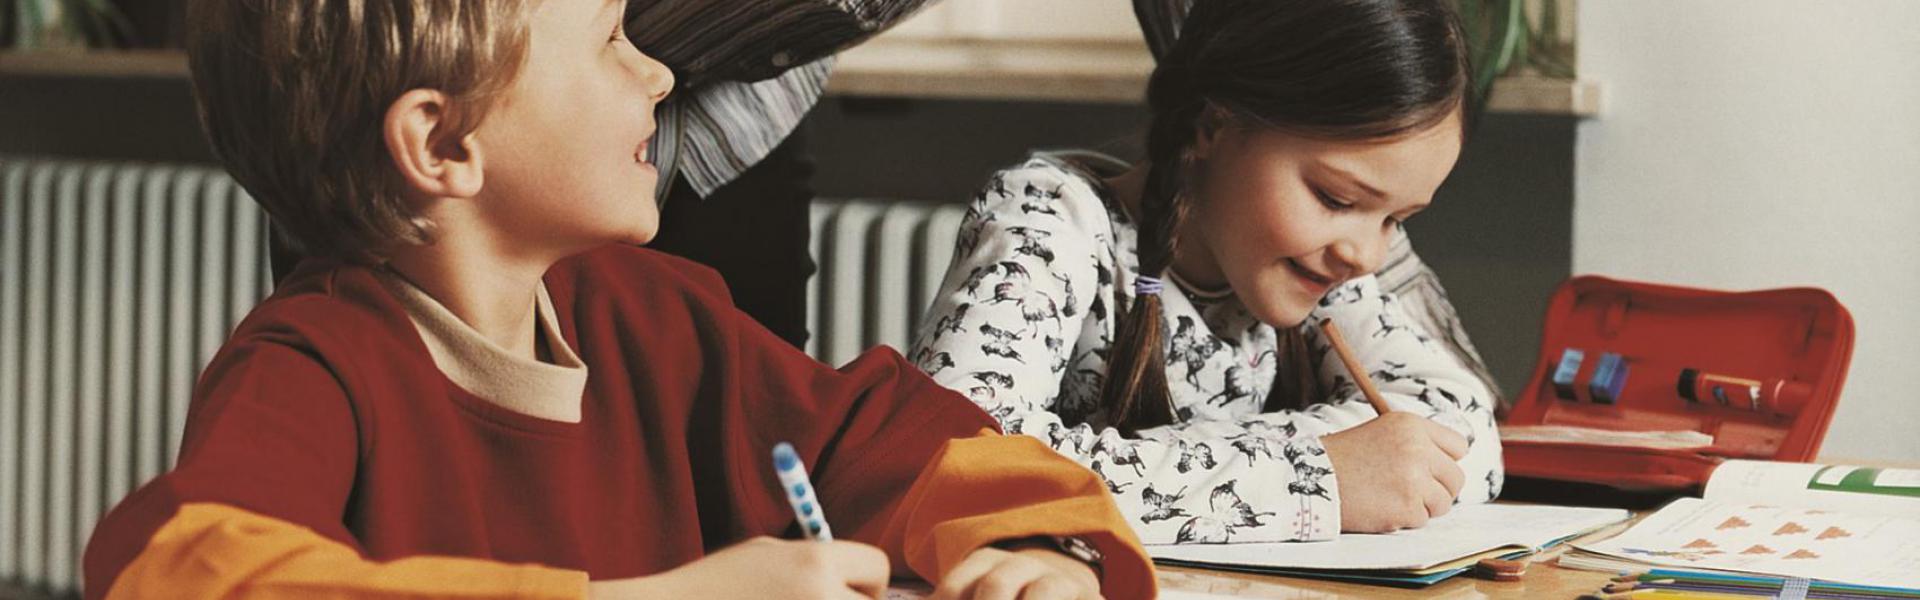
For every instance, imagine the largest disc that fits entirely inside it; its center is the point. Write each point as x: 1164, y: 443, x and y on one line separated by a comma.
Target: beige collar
x: 1196, y: 291
x: 476, y: 364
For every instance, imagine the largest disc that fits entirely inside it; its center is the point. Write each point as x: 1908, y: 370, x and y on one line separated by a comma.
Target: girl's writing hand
x: 1395, y: 472
x: 1031, y: 574
x: 765, y: 568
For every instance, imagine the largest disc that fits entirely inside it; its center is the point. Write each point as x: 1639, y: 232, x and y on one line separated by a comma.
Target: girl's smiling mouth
x: 1314, y: 280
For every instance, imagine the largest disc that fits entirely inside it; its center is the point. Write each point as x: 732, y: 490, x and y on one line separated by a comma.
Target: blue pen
x: 806, y: 506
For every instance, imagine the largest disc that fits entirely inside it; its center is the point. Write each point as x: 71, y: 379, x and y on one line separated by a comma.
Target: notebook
x: 1446, y: 546
x: 1831, y: 523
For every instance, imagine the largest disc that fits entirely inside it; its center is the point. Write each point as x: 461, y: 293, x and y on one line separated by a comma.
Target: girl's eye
x: 1330, y: 201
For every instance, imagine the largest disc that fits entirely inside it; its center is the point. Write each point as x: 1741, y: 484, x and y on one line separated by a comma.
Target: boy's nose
x: 657, y: 77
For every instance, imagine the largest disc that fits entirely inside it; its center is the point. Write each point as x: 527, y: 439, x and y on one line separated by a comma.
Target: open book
x: 1447, y: 546
x: 1841, y: 524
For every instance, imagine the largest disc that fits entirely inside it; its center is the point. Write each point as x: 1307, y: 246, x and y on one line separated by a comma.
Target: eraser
x: 1502, y: 570
x: 1570, y: 360
x: 1609, y: 377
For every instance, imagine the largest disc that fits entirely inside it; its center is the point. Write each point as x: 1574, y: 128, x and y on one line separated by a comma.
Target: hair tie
x: 1147, y: 286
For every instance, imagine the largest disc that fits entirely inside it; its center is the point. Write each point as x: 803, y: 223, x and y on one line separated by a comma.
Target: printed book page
x: 1467, y: 530
x: 1692, y: 533
x: 1850, y: 489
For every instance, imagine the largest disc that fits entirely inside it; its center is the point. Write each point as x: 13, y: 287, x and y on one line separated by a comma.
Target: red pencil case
x: 1758, y: 371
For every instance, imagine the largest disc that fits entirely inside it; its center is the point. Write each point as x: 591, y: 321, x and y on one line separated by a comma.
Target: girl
x: 1159, y: 322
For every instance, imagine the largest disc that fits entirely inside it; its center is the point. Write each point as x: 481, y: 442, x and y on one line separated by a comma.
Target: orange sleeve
x: 992, y: 487
x: 902, y: 463
x: 212, y: 550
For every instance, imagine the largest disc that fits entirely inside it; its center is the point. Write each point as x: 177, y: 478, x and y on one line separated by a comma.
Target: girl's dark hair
x: 1325, y: 69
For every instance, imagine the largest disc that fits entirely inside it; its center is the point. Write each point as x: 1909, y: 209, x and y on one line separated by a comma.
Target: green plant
x: 1505, y: 39
x: 31, y: 24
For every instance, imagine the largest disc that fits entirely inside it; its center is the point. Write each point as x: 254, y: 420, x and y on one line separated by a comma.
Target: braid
x: 1135, y: 391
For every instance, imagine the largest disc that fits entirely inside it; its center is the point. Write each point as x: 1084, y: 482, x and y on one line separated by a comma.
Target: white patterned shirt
x: 1024, y: 319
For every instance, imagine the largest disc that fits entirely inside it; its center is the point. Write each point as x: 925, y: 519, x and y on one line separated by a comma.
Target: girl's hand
x: 765, y: 568
x: 1395, y: 472
x: 1030, y: 574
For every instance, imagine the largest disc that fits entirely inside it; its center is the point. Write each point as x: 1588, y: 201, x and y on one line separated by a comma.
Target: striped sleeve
x: 747, y: 72
x: 705, y: 40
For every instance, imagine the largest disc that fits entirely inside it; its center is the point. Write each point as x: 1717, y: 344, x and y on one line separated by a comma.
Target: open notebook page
x: 1468, y: 530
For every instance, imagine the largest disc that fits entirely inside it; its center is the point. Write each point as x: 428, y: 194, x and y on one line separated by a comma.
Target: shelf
x: 1545, y: 95
x: 1047, y: 71
x: 1101, y: 72
x: 163, y: 64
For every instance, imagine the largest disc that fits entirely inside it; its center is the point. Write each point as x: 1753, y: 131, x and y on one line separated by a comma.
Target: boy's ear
x: 432, y: 162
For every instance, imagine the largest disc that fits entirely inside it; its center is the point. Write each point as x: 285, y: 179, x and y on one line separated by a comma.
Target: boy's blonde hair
x: 294, y: 96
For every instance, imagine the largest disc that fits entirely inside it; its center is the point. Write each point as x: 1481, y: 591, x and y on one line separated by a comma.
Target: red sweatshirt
x: 327, y: 453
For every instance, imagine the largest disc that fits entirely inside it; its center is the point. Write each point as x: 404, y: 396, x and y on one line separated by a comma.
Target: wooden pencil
x: 1359, y: 373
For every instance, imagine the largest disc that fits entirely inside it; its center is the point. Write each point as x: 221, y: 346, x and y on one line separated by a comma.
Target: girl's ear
x: 431, y: 162
x: 1207, y: 129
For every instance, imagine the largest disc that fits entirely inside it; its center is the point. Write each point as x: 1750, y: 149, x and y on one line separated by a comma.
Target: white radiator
x: 880, y: 263
x: 119, y: 281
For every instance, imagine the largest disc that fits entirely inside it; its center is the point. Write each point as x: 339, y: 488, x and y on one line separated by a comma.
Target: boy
x: 469, y: 392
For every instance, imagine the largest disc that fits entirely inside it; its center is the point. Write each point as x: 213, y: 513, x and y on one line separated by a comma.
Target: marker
x: 806, y: 505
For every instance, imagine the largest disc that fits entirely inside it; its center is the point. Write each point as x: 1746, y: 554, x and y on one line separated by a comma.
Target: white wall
x: 1749, y: 144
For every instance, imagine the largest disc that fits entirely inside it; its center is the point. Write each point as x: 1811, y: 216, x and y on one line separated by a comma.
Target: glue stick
x: 1776, y: 395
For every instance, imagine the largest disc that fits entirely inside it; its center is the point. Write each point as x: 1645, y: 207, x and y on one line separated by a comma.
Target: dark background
x: 156, y: 23
x: 1500, y: 233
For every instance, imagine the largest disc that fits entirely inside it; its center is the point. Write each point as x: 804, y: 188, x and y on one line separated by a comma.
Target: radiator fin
x: 121, y: 280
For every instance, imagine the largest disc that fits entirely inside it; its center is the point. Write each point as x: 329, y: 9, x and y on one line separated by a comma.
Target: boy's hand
x: 1395, y: 472
x: 765, y: 568
x: 1029, y: 574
